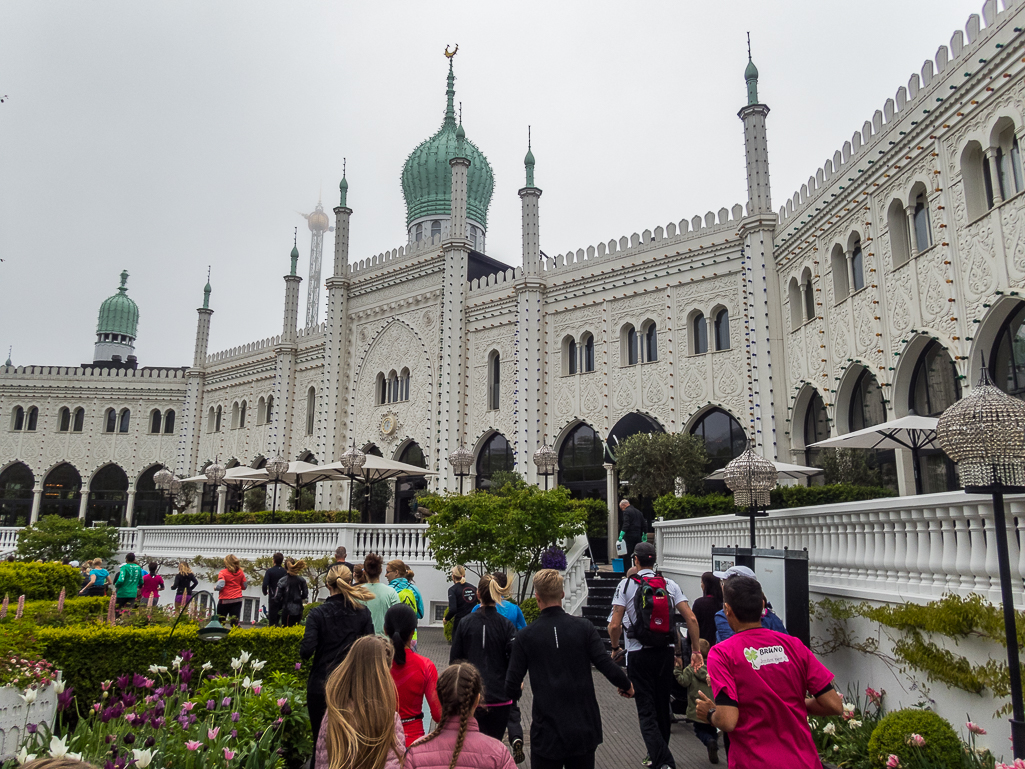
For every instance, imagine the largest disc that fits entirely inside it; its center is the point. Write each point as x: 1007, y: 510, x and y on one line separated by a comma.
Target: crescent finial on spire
x: 454, y: 52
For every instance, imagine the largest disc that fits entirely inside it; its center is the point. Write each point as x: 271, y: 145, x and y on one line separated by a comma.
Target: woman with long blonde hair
x: 460, y: 689
x: 361, y: 728
x: 292, y: 592
x: 184, y: 583
x: 231, y: 581
x: 331, y: 630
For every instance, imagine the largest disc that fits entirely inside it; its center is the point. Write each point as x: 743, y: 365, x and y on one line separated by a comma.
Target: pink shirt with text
x: 768, y: 674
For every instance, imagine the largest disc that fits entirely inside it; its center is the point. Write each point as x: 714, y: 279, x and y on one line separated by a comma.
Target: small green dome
x: 295, y: 252
x: 427, y: 175
x: 751, y: 71
x: 119, y: 314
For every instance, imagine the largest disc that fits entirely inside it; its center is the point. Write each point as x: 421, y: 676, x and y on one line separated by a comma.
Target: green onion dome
x: 427, y: 175
x: 119, y: 314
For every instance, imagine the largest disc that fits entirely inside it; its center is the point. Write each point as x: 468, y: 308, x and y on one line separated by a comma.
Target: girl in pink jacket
x: 457, y: 743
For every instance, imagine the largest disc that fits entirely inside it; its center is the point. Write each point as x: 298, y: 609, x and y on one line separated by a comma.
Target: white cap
x: 734, y: 571
x: 74, y: 563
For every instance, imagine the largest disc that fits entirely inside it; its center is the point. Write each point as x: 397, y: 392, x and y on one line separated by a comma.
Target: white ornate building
x: 876, y: 289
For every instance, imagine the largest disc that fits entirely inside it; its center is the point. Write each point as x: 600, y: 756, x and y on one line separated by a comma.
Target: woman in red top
x: 415, y: 676
x: 231, y: 581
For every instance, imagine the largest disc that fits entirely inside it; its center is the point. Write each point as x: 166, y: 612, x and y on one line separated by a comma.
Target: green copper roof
x: 343, y: 188
x: 295, y: 258
x: 119, y: 314
x: 751, y: 76
x: 427, y: 175
x: 528, y: 163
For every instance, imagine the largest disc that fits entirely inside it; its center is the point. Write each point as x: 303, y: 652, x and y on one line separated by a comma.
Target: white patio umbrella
x: 233, y: 476
x: 912, y: 433
x: 297, y: 475
x: 378, y: 469
x: 782, y: 469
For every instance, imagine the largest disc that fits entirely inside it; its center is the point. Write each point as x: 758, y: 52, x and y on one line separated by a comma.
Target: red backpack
x: 653, y: 626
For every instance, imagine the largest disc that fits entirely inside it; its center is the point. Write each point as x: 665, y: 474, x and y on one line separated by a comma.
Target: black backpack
x: 290, y: 594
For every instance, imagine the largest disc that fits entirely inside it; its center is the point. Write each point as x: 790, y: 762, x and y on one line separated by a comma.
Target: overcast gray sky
x: 162, y: 137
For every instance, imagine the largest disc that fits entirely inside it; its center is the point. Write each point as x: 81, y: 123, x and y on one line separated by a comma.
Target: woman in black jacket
x: 462, y: 597
x: 184, y: 583
x: 707, y: 605
x: 292, y: 592
x: 485, y: 638
x: 331, y: 629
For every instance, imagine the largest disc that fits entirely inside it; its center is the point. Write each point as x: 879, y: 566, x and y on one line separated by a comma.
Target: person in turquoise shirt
x: 400, y: 578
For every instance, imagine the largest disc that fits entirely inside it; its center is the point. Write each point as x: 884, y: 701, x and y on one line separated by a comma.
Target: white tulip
x: 829, y: 728
x: 207, y: 666
x: 258, y: 665
x: 245, y: 656
x: 848, y: 707
x: 236, y: 663
x: 246, y: 682
x: 177, y: 663
x: 854, y: 724
x: 143, y: 758
x: 24, y: 756
x: 154, y: 669
x: 29, y: 696
x: 58, y: 747
x: 58, y: 686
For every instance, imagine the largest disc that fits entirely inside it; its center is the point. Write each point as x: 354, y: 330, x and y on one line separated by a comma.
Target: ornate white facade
x: 902, y: 257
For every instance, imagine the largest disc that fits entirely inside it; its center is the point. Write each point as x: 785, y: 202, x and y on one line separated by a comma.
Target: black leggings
x: 233, y: 609
x: 492, y: 720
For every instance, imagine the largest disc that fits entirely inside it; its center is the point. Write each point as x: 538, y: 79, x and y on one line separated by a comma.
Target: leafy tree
x: 510, y: 529
x: 54, y: 538
x: 852, y: 466
x: 183, y: 500
x: 256, y: 500
x: 304, y: 499
x: 652, y: 463
x: 500, y: 478
x: 380, y: 496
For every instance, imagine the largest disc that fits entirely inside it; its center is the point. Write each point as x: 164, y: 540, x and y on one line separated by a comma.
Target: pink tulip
x: 975, y: 728
x: 3, y: 607
x: 112, y: 610
x: 187, y: 706
x: 257, y: 689
x: 229, y: 754
x: 211, y: 734
x: 916, y: 739
x: 892, y: 762
x: 282, y: 701
x: 193, y: 745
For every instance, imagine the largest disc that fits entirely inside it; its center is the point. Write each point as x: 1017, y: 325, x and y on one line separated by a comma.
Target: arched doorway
x: 816, y: 428
x: 406, y: 488
x: 934, y: 389
x: 724, y: 438
x: 62, y: 492
x: 868, y: 408
x: 108, y: 497
x: 1007, y: 356
x: 372, y: 500
x: 629, y: 425
x: 495, y: 456
x: 151, y: 505
x: 581, y: 463
x: 16, y: 483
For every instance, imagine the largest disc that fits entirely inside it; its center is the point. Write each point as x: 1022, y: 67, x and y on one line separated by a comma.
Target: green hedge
x: 77, y: 610
x: 699, y: 506
x: 530, y: 610
x: 91, y: 654
x: 264, y: 517
x: 38, y: 581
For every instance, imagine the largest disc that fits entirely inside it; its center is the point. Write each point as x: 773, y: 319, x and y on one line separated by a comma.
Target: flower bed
x: 183, y: 715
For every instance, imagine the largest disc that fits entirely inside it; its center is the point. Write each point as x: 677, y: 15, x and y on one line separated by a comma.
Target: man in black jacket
x: 558, y: 651
x: 631, y: 528
x: 270, y: 584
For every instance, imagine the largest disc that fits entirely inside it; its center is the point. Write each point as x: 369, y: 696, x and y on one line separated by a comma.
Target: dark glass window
x: 61, y: 492
x: 19, y: 418
x: 79, y: 420
x: 1007, y: 359
x: 126, y: 417
x: 435, y: 228
x: 572, y: 354
x: 581, y: 458
x: 496, y: 455
x: 33, y: 419
x: 217, y: 421
x: 934, y: 385
x: 494, y: 390
x: 700, y: 334
x: 154, y: 422
x: 651, y: 343
x: 923, y: 232
x: 242, y: 415
x: 589, y: 354
x: 270, y: 407
x: 722, y: 330
x: 724, y: 438
x: 868, y: 407
x: 816, y: 428
x: 64, y: 421
x: 809, y: 301
x: 169, y: 421
x: 16, y: 483
x: 858, y: 267
x: 631, y: 346
x: 111, y: 422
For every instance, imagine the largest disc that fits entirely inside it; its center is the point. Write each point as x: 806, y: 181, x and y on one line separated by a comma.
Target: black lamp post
x: 215, y: 474
x: 275, y: 469
x: 461, y: 460
x: 546, y: 461
x: 984, y: 434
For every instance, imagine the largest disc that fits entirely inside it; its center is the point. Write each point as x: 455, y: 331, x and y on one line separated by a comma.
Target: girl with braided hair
x: 457, y: 741
x: 361, y: 729
x: 331, y: 630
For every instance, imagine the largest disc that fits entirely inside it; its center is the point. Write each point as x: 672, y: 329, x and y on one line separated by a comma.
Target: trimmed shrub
x: 530, y: 610
x: 265, y: 517
x: 700, y: 506
x: 77, y: 610
x: 54, y: 538
x: 942, y: 746
x: 308, y: 608
x: 38, y: 581
x: 448, y: 631
x: 92, y: 654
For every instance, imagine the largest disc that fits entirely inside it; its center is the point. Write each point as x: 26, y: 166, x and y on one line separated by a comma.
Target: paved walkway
x: 623, y: 747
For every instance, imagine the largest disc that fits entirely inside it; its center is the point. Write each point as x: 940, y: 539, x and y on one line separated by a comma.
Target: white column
x: 912, y: 240
x: 849, y: 254
x: 37, y: 501
x: 610, y: 492
x: 222, y: 499
x: 994, y: 174
x: 83, y: 503
x: 130, y: 509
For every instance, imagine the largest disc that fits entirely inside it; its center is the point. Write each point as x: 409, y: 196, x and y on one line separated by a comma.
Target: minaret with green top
x: 759, y: 199
x: 117, y: 326
x: 285, y: 352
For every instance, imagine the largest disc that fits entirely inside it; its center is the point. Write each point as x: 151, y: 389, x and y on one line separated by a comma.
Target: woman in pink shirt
x: 457, y: 741
x: 152, y: 584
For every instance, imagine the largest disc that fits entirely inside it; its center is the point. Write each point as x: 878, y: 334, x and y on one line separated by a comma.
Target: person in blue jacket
x: 770, y: 620
x: 506, y: 607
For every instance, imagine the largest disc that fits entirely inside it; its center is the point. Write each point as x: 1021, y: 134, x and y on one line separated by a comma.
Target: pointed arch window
x: 18, y: 418
x: 154, y: 421
x: 436, y: 229
x: 122, y: 425
x: 311, y: 410
x: 33, y: 419
x: 419, y: 232
x: 631, y: 351
x: 589, y: 353
x: 858, y: 266
x: 809, y: 300
x: 78, y: 423
x: 261, y: 411
x: 816, y: 428
x: 270, y: 408
x: 651, y: 343
x: 404, y: 384
x: 110, y: 421
x: 699, y: 330
x: 217, y: 420
x: 64, y: 420
x: 169, y: 421
x: 722, y: 330
x: 923, y: 227
x: 1008, y: 158
x: 242, y: 415
x: 571, y: 356
x: 382, y: 389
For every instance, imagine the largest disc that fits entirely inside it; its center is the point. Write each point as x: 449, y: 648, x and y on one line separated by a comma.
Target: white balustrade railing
x: 8, y: 539
x: 895, y: 549
x: 574, y: 580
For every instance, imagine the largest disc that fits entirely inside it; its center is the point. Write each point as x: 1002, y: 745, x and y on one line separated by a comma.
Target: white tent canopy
x: 782, y: 469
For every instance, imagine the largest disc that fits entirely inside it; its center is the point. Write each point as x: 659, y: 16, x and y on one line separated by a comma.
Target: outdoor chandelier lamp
x: 163, y: 479
x: 546, y: 461
x: 215, y: 474
x: 461, y: 459
x: 984, y: 434
x: 352, y: 462
x: 751, y: 477
x: 277, y: 467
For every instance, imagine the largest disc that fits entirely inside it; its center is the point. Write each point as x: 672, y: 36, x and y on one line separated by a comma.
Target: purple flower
x: 298, y: 666
x: 226, y: 702
x: 286, y: 709
x: 129, y: 700
x: 31, y: 728
x: 235, y: 717
x: 210, y: 704
x: 186, y: 654
x: 123, y: 682
x: 109, y: 737
x: 186, y: 676
x: 257, y: 736
x: 233, y: 733
x: 128, y: 739
x: 149, y: 743
x: 553, y: 558
x: 65, y: 698
x: 138, y: 681
x: 158, y: 722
